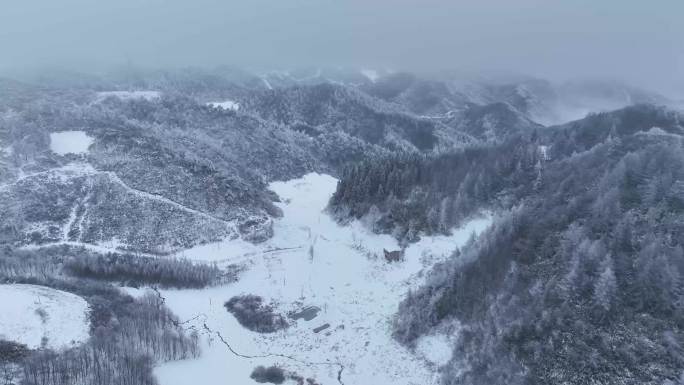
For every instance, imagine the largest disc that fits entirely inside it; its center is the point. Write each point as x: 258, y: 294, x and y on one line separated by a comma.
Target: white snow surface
x: 225, y: 105
x: 70, y: 142
x: 129, y: 95
x: 544, y: 152
x: 30, y: 313
x: 657, y: 131
x: 372, y: 75
x: 436, y: 348
x: 311, y: 261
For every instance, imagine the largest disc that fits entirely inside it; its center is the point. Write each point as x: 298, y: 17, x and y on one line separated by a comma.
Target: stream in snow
x: 311, y: 261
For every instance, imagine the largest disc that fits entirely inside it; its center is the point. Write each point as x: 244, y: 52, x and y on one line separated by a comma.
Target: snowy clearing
x: 311, y: 261
x: 436, y: 348
x: 70, y: 142
x: 225, y: 105
x: 372, y: 75
x: 32, y: 313
x: 129, y: 95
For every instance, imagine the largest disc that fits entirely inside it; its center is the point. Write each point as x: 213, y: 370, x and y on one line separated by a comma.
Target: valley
x: 333, y: 226
x: 312, y: 261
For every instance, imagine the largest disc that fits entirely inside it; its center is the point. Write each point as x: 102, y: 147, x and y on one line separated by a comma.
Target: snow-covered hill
x: 311, y: 261
x: 40, y: 316
x: 184, y: 171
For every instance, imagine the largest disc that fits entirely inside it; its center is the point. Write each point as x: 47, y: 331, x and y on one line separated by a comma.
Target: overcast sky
x: 635, y: 40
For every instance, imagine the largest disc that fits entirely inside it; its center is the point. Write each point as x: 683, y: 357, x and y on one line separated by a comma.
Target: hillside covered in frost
x: 338, y: 226
x: 580, y: 278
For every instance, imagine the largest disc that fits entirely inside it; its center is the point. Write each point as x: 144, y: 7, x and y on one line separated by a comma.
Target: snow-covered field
x: 32, y: 314
x: 129, y: 95
x: 70, y: 142
x: 225, y: 105
x: 312, y: 261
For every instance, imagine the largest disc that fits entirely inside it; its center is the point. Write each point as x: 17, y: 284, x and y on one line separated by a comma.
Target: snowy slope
x: 311, y: 261
x: 61, y: 178
x: 30, y: 313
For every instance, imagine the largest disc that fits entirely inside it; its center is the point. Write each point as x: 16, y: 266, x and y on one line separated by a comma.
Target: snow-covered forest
x: 338, y: 226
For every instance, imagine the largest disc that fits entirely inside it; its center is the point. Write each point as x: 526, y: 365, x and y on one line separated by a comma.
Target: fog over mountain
x: 319, y: 192
x: 637, y: 42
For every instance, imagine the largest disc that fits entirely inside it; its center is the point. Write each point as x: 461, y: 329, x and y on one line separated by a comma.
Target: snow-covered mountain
x: 585, y: 260
x: 220, y: 225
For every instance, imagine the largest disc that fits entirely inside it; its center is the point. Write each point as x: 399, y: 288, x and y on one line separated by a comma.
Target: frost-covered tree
x: 605, y: 289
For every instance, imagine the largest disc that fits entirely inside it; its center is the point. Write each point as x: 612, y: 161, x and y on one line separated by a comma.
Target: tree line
x: 127, y: 335
x: 407, y: 194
